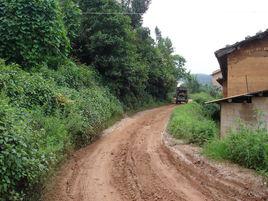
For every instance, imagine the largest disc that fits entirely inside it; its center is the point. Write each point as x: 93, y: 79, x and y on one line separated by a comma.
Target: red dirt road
x: 134, y: 162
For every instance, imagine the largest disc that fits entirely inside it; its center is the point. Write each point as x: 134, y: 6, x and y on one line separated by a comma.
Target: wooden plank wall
x: 224, y: 89
x: 248, y: 69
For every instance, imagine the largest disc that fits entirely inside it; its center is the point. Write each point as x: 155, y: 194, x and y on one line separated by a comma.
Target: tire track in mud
x: 133, y: 162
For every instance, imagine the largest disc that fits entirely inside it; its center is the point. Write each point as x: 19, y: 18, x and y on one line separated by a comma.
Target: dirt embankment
x: 132, y: 162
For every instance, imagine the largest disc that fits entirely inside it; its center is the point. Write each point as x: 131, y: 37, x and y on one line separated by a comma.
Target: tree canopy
x: 32, y: 32
x: 128, y: 58
x: 136, y: 8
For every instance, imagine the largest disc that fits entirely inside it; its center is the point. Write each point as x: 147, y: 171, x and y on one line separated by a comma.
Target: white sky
x: 199, y: 28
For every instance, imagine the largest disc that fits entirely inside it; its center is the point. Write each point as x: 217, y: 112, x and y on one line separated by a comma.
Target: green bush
x: 21, y: 162
x: 211, y: 110
x: 71, y: 75
x: 96, y: 106
x: 27, y: 90
x: 54, y: 135
x: 188, y: 122
x: 44, y: 115
x: 246, y: 146
x: 32, y: 32
x: 201, y: 97
x: 72, y: 18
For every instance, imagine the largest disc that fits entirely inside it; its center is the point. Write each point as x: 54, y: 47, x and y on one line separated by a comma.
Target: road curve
x: 130, y: 162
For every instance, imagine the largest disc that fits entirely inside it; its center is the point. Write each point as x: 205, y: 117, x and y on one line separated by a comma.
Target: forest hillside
x: 69, y: 69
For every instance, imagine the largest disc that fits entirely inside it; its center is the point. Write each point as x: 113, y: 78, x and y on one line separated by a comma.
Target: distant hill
x: 203, y: 78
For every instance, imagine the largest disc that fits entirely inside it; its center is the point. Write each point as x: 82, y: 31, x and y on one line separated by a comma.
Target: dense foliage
x: 211, y: 110
x: 135, y: 10
x: 51, y: 104
x: 107, y: 43
x: 134, y: 66
x: 164, y: 68
x: 43, y: 116
x: 245, y: 146
x: 32, y: 32
x: 72, y: 19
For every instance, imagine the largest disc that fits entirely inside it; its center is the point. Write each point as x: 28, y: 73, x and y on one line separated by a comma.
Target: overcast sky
x: 199, y: 28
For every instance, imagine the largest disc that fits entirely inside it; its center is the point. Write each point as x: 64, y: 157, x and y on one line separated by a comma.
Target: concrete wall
x: 248, y: 68
x: 232, y: 112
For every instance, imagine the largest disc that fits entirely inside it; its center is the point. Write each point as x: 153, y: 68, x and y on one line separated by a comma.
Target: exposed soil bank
x: 134, y: 162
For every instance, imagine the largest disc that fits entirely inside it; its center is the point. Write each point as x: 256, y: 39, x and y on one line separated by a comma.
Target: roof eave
x: 242, y: 97
x: 222, y: 54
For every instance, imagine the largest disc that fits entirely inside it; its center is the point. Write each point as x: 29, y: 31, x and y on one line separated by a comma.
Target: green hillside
x: 203, y: 78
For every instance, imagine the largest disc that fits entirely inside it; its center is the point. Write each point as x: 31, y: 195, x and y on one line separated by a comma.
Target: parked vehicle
x: 181, y: 95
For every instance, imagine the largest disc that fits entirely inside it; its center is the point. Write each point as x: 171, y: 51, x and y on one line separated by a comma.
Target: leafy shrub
x: 26, y: 90
x: 32, y: 32
x: 50, y: 104
x: 188, y: 122
x: 211, y: 110
x: 43, y: 115
x: 54, y: 135
x: 83, y: 98
x: 245, y: 146
x: 96, y: 106
x: 20, y: 161
x: 72, y: 18
x: 201, y: 97
x: 71, y: 75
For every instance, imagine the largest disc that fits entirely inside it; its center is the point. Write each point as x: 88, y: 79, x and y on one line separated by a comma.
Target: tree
x: 192, y: 84
x: 164, y: 67
x: 32, y: 32
x: 158, y: 34
x: 137, y: 8
x: 107, y: 43
x: 72, y: 19
x: 179, y: 63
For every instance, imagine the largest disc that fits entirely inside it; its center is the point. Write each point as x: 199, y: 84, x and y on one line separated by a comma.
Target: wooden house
x: 244, y: 68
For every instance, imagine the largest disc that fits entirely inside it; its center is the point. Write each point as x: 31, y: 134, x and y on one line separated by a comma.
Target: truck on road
x: 181, y: 95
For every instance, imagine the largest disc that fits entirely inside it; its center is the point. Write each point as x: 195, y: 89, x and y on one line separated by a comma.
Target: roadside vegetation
x: 198, y: 123
x: 66, y: 73
x: 190, y: 122
x: 246, y: 146
x: 44, y: 117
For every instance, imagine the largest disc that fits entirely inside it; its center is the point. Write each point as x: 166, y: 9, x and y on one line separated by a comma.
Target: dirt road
x: 132, y: 162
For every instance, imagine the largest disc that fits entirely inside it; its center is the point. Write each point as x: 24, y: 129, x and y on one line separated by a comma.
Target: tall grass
x: 189, y: 122
x: 245, y: 146
x: 210, y: 110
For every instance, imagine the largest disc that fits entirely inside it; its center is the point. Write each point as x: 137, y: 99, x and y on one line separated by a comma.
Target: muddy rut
x: 133, y: 161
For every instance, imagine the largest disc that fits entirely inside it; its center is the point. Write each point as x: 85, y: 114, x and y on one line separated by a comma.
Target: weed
x: 189, y: 122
